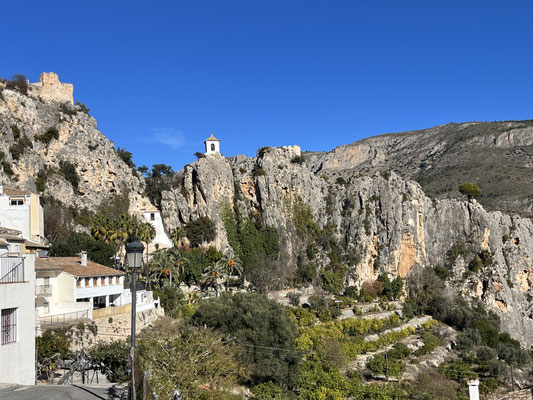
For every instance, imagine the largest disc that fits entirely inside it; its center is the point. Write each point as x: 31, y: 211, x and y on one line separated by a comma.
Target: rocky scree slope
x: 370, y: 223
x: 497, y: 156
x: 39, y: 137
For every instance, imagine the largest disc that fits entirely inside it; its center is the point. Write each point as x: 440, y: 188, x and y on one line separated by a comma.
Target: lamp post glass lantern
x: 134, y: 255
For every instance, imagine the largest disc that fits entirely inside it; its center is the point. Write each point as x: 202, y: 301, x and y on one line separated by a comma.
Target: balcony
x: 11, y: 270
x: 43, y: 290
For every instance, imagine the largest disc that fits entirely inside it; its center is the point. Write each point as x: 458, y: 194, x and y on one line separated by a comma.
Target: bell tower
x: 212, y: 145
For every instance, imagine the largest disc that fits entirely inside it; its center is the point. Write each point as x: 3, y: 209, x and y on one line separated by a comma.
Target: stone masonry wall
x: 50, y: 89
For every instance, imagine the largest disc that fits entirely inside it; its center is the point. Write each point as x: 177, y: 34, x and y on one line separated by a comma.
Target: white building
x: 161, y: 240
x: 17, y: 319
x: 212, y: 145
x: 72, y: 288
x: 23, y: 212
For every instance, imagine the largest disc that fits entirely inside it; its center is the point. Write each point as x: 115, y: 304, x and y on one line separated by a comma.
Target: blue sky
x: 161, y: 76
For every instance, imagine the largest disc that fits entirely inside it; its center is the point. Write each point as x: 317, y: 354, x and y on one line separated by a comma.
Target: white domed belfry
x: 212, y: 145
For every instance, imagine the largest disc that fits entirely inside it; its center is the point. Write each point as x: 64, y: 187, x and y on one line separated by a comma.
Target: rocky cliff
x: 48, y: 144
x: 377, y: 223
x: 497, y: 156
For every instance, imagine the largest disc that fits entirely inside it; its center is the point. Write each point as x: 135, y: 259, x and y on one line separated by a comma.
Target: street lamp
x: 134, y: 255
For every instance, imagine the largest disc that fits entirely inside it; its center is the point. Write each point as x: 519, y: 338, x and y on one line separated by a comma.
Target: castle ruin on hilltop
x: 50, y: 89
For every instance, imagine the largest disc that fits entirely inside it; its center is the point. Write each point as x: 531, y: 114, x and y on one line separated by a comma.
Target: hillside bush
x: 298, y: 160
x: 125, y: 156
x: 69, y: 172
x: 18, y: 82
x: 19, y: 147
x: 259, y: 324
x: 199, y: 231
x: 470, y: 190
x: 48, y: 136
x: 83, y: 108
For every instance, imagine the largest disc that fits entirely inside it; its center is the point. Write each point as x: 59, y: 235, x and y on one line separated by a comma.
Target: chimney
x: 84, y: 258
x: 473, y: 389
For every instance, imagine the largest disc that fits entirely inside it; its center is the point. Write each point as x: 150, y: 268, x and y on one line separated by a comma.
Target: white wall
x: 17, y: 360
x: 160, y: 235
x: 208, y: 144
x: 15, y: 217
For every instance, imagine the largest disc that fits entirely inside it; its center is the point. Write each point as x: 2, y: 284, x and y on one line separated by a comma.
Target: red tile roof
x: 72, y: 265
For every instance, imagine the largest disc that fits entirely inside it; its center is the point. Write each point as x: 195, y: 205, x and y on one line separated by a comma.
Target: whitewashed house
x: 72, y: 288
x: 22, y: 211
x: 17, y: 319
x: 161, y: 240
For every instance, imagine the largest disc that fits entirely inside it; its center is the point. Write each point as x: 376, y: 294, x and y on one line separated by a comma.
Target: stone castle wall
x: 50, y: 89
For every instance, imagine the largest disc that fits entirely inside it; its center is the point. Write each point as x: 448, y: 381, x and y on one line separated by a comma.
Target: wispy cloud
x: 171, y: 137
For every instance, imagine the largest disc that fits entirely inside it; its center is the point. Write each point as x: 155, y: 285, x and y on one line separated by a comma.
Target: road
x: 63, y: 392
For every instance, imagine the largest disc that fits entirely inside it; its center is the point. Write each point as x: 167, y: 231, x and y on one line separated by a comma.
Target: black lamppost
x: 134, y: 256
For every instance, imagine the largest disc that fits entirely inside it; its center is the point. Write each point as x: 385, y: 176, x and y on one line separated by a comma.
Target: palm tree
x: 212, y: 275
x: 233, y: 265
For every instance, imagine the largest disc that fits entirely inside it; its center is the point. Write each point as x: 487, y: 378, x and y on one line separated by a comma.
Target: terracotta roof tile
x: 212, y: 138
x: 72, y: 265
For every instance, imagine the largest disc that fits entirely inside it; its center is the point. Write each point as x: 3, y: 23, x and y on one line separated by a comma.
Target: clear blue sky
x: 160, y: 76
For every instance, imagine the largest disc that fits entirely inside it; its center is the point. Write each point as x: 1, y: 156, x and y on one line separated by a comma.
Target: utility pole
x: 387, y: 364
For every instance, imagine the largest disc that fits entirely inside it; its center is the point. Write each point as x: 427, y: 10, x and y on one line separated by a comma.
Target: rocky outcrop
x: 381, y: 223
x: 42, y: 130
x: 497, y: 156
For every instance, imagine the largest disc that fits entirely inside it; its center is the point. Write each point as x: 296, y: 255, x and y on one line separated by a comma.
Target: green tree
x: 112, y: 359
x: 470, y: 190
x: 97, y: 250
x: 190, y: 358
x: 262, y: 326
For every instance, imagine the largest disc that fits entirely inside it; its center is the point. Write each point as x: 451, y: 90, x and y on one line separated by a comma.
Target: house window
x: 78, y: 283
x: 46, y: 307
x: 88, y: 282
x: 9, y: 325
x: 152, y: 217
x: 16, y: 202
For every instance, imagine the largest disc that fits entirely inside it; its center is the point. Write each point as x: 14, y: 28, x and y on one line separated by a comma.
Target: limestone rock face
x: 102, y: 173
x: 387, y: 223
x: 496, y: 156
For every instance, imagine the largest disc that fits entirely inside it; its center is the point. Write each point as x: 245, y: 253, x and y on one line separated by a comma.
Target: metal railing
x: 43, y: 290
x: 63, y: 319
x: 11, y: 270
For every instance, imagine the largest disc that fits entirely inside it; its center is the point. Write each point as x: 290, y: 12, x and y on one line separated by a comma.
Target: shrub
x: 169, y: 346
x: 294, y: 298
x: 257, y: 171
x: 341, y: 181
x: 351, y: 292
x: 83, y: 108
x: 18, y: 82
x: 333, y: 280
x: 48, y: 136
x: 391, y: 289
x: 125, y: 156
x: 112, y: 359
x: 470, y: 190
x: 16, y: 132
x: 40, y: 181
x: 379, y: 365
x: 199, y: 231
x: 306, y: 273
x: 260, y: 324
x: 18, y: 148
x: 68, y: 170
x: 268, y: 391
x: 298, y: 160
x: 431, y: 342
